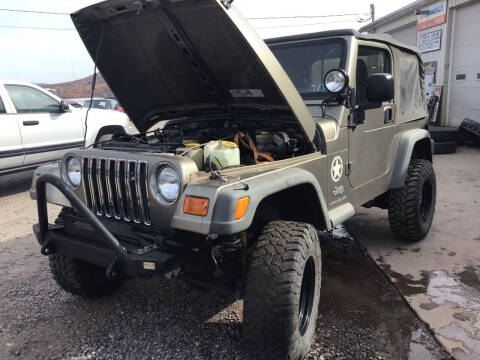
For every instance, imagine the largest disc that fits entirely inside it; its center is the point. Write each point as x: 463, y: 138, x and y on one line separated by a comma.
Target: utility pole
x: 372, y: 12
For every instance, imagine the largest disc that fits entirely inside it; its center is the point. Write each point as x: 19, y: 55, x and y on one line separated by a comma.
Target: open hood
x: 170, y: 57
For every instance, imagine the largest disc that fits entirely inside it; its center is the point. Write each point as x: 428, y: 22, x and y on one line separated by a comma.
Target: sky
x: 53, y: 56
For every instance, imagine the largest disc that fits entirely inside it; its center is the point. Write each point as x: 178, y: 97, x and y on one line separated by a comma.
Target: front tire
x: 411, y: 207
x: 282, y: 292
x: 81, y: 278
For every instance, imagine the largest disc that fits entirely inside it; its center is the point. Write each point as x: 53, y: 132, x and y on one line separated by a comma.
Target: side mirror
x: 380, y: 87
x: 63, y: 107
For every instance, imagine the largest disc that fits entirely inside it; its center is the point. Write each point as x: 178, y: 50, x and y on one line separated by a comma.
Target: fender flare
x: 260, y: 188
x: 405, y: 148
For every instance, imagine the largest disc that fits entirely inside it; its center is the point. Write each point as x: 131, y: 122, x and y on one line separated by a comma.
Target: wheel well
x: 298, y: 203
x: 422, y: 150
x: 111, y: 129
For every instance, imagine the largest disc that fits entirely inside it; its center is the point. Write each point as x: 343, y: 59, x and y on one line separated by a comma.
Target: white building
x: 448, y: 35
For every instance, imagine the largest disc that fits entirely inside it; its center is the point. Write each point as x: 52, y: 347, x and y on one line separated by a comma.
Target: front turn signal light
x: 195, y: 206
x: 241, y: 208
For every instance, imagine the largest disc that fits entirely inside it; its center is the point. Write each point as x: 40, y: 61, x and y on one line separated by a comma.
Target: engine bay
x: 219, y: 144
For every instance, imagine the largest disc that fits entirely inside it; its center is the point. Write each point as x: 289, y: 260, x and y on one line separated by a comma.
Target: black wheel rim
x: 307, y: 293
x: 426, y: 202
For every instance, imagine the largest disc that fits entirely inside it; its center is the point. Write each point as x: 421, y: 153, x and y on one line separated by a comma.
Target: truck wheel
x: 282, y: 292
x: 81, y: 278
x: 411, y: 207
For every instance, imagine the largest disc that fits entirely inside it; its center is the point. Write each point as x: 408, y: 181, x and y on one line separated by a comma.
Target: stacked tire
x: 445, y: 139
x: 469, y: 131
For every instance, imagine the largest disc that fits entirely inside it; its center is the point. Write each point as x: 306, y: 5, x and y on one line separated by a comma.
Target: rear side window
x: 30, y: 100
x: 376, y: 60
x: 2, y: 107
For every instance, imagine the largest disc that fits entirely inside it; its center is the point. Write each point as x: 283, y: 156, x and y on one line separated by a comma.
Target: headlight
x: 168, y: 183
x: 335, y: 81
x: 72, y: 170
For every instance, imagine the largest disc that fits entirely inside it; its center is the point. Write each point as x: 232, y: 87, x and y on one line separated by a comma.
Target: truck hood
x: 166, y: 59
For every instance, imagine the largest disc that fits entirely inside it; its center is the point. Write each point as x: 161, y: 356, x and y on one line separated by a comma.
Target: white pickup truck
x: 37, y: 127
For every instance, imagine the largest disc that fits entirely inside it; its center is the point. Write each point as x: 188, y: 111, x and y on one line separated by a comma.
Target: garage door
x: 407, y: 35
x: 465, y: 68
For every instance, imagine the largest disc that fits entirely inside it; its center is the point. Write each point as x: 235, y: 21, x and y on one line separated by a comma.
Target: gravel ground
x: 361, y: 314
x: 159, y: 318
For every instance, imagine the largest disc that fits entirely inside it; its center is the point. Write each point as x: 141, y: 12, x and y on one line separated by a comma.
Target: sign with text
x: 431, y: 41
x: 433, y: 15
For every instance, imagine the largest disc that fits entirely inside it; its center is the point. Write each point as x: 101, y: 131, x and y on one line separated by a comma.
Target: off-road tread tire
x: 404, y: 216
x: 470, y: 131
x: 444, y: 147
x: 80, y: 278
x: 272, y: 291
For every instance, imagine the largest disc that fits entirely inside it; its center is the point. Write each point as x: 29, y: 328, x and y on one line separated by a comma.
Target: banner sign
x: 437, y: 14
x: 431, y: 41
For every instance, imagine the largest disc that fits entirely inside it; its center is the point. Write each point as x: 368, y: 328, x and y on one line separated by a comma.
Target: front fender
x: 404, y: 153
x: 220, y: 219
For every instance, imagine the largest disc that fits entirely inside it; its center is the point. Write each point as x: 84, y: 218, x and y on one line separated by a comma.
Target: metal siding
x: 455, y: 3
x: 407, y: 34
x: 465, y: 94
x: 397, y: 24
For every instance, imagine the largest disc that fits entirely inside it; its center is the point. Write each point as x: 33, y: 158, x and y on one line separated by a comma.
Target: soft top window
x: 307, y: 63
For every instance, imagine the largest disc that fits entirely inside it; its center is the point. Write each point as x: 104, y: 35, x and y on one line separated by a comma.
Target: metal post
x: 372, y: 12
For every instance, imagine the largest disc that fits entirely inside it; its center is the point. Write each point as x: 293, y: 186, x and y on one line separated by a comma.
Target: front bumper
x: 103, y: 249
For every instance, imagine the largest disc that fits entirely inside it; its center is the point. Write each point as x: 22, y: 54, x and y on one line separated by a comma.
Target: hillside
x: 80, y: 88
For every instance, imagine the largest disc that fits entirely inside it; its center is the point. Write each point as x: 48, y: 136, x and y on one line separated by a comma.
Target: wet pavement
x: 362, y: 314
x: 440, y: 276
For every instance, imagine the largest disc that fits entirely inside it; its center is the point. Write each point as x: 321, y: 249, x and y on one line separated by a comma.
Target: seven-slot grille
x: 117, y: 188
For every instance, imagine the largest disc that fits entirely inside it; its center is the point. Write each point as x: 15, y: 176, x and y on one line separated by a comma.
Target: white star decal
x: 337, y: 169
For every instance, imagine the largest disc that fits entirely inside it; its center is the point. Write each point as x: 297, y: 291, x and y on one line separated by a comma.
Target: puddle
x: 418, y: 346
x: 444, y: 289
x: 361, y: 312
x: 461, y: 291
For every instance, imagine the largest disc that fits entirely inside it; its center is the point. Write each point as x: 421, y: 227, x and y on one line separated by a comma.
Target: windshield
x: 307, y: 63
x: 100, y: 104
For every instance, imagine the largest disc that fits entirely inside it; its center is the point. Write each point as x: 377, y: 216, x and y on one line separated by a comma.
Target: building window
x: 478, y: 76
x: 461, y: 77
x: 2, y: 107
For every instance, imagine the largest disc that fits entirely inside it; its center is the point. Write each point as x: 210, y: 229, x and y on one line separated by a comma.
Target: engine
x: 217, y: 145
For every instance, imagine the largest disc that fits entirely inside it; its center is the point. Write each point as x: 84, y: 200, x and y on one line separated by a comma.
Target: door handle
x: 31, y: 123
x: 387, y: 115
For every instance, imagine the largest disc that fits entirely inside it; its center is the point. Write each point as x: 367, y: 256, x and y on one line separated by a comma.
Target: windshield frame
x: 300, y: 43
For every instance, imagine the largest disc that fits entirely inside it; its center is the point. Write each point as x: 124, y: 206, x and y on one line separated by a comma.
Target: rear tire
x: 81, y: 278
x: 282, y: 292
x: 411, y: 208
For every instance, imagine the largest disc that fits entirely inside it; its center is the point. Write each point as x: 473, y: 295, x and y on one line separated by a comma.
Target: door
x: 408, y: 34
x: 369, y: 142
x: 47, y: 131
x: 11, y: 148
x: 464, y: 94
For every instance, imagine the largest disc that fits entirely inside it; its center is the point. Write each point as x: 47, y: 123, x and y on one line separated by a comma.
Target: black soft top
x: 383, y: 38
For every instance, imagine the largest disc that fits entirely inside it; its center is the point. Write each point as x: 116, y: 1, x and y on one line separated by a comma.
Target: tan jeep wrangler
x: 247, y: 148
